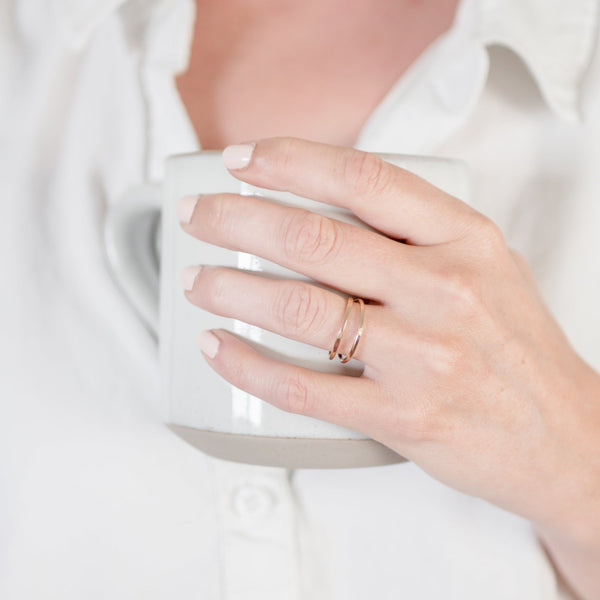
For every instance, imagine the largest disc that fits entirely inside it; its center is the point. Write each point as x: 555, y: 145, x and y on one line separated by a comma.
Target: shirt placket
x: 259, y: 556
x: 257, y: 512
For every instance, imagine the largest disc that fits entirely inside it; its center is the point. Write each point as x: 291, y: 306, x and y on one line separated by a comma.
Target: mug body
x: 199, y: 405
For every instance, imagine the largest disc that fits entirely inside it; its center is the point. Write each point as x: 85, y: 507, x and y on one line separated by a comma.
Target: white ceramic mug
x: 200, y: 406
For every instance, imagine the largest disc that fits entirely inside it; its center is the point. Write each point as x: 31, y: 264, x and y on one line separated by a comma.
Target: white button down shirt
x: 97, y: 498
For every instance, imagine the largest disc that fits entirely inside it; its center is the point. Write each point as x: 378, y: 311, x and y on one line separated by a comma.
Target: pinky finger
x: 351, y: 402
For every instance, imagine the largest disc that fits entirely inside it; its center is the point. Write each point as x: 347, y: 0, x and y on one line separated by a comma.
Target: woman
x: 467, y: 373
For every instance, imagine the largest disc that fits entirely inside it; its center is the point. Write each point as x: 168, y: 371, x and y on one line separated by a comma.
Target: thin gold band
x: 336, y: 344
x: 345, y: 359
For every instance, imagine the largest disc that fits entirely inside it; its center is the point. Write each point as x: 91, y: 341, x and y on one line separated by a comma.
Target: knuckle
x: 440, y: 356
x: 522, y: 265
x: 444, y: 359
x: 421, y: 423
x: 298, y: 309
x: 287, y: 150
x: 221, y: 214
x: 236, y: 373
x: 293, y: 395
x: 462, y: 294
x: 518, y: 257
x: 490, y: 239
x: 216, y: 289
x: 368, y: 174
x: 311, y: 238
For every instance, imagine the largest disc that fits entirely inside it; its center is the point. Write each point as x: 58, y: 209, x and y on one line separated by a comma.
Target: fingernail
x: 238, y: 156
x: 188, y: 277
x: 209, y: 343
x: 185, y: 208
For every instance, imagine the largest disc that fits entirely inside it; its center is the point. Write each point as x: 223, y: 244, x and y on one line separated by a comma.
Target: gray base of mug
x: 291, y: 453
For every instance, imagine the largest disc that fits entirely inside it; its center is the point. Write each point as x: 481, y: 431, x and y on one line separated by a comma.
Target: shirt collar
x: 554, y: 38
x: 78, y: 19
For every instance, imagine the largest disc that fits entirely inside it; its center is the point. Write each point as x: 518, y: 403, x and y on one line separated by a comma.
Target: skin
x: 252, y: 66
x: 466, y: 372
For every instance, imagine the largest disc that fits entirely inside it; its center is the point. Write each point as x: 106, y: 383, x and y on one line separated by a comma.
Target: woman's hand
x: 466, y: 372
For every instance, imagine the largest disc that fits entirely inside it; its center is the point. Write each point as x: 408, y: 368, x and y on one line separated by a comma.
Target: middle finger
x: 344, y: 256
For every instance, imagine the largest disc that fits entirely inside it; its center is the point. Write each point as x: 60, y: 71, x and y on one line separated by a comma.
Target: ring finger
x: 294, y: 309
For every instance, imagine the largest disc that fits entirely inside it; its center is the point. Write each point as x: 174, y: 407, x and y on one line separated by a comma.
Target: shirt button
x: 255, y: 501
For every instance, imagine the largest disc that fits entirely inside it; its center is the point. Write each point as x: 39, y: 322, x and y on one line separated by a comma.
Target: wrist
x: 570, y: 510
x: 575, y: 562
x: 570, y: 526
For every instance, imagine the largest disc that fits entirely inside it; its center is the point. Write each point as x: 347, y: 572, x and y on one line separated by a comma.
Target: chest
x: 313, y: 70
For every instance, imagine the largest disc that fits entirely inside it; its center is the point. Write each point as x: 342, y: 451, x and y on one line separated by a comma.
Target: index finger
x: 390, y: 199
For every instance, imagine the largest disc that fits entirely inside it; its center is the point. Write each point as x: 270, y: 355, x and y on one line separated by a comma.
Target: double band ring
x: 334, y: 350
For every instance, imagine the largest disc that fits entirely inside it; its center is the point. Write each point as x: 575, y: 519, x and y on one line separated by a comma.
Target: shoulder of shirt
x: 555, y: 39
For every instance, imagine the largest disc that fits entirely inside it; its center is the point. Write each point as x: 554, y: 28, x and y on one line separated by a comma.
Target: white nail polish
x: 209, y: 343
x: 185, y: 208
x: 238, y: 156
x: 188, y: 277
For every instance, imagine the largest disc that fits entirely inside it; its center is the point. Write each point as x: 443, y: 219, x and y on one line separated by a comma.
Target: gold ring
x: 338, y: 339
x: 336, y: 344
x: 345, y: 359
